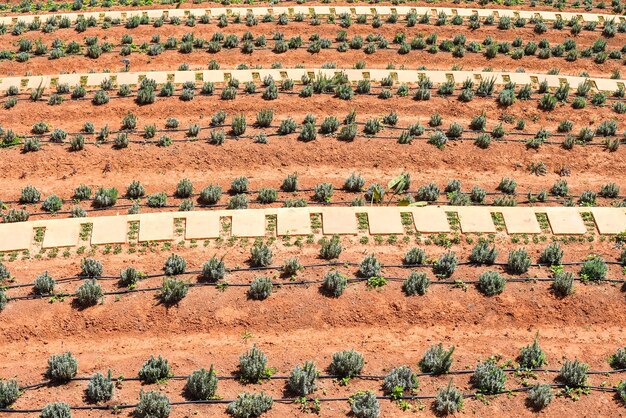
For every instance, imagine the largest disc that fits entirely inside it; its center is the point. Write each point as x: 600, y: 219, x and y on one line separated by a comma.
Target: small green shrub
x: 157, y: 200
x: 172, y: 291
x: 415, y: 256
x: 174, y: 265
x: 260, y: 255
x: 290, y: 183
x: 347, y: 364
x: 4, y: 299
x: 30, y: 195
x: 507, y: 185
x: 248, y: 405
x: 618, y: 360
x: 334, y: 283
x: 445, y: 266
x: 490, y: 283
x: 428, y: 193
x: 323, y: 192
x: 238, y: 125
x: 135, y: 190
x: 416, y: 284
x: 155, y: 369
x: 449, y: 400
x: 539, y: 396
x: 129, y: 276
x: 253, y: 366
x: 9, y: 392
x: 184, y: 189
x: 437, y: 360
x: 62, y: 367
x: 90, y: 267
x: 201, y: 385
x: 398, y: 380
x: 153, y: 404
x: 99, y: 388
x: 483, y: 253
x: 105, y: 198
x: 56, y: 410
x: 303, y: 379
x: 82, y: 192
x: 563, y: 284
x: 621, y: 391
x: 552, y: 255
x: 354, y: 183
x: 210, y: 195
x: 365, y: 405
x: 330, y: 248
x: 574, y: 373
x: 532, y: 356
x: 44, y: 284
x: 370, y: 266
x: 89, y: 293
x: 52, y: 203
x: 260, y: 288
x: 489, y: 378
x: 594, y: 269
x: 518, y: 261
x: 213, y: 270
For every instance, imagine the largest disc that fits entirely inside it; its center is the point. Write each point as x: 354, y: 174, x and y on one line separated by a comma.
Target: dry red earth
x: 298, y: 322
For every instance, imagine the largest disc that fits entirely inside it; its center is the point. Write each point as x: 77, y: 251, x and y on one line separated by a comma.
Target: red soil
x: 298, y: 323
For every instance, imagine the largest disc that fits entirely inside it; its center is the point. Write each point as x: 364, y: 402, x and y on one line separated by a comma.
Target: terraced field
x: 368, y: 209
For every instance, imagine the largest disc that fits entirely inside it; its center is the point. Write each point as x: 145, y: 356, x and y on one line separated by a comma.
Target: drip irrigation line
x: 341, y: 188
x: 360, y: 136
x: 224, y: 284
x: 317, y: 265
x: 277, y: 126
x: 305, y: 45
x: 299, y: 400
x: 330, y: 376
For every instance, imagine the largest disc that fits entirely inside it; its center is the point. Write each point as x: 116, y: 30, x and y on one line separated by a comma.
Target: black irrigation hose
x: 299, y: 400
x: 240, y: 92
x: 432, y: 20
x: 329, y: 376
x: 140, y: 133
x: 319, y: 265
x: 453, y: 283
x: 305, y: 45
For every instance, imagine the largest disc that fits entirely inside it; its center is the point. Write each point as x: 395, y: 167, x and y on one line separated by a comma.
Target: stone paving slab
x: 9, y: 82
x: 519, y: 220
x: 202, y: 225
x: 609, y: 220
x: 96, y: 79
x: 564, y: 220
x: 430, y: 219
x: 474, y: 219
x: 181, y: 77
x: 159, y: 77
x: 248, y: 223
x: 127, y: 78
x: 70, y: 79
x: 15, y: 236
x: 384, y: 220
x: 293, y: 221
x: 296, y: 221
x: 408, y: 76
x: 62, y: 232
x: 109, y: 230
x: 327, y: 10
x: 156, y: 227
x: 339, y: 221
x: 37, y: 81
